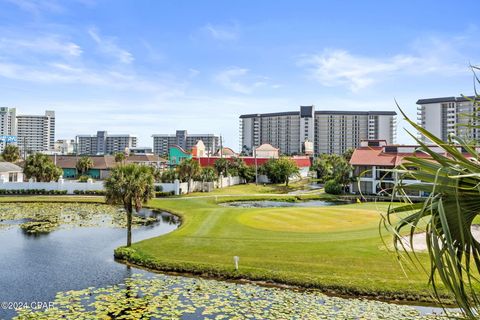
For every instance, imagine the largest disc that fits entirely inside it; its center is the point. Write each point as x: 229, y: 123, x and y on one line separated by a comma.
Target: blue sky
x: 145, y: 67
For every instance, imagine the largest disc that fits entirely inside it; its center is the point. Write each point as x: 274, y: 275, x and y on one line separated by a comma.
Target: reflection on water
x: 35, y: 268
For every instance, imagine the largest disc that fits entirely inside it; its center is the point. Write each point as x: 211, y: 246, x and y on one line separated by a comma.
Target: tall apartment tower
x: 448, y: 115
x: 8, y: 125
x: 104, y: 143
x: 163, y: 142
x: 34, y: 133
x: 329, y: 131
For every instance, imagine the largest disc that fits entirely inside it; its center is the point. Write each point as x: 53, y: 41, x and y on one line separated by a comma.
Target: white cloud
x: 222, y: 33
x: 192, y: 73
x: 35, y: 7
x: 239, y: 80
x: 338, y: 67
x: 109, y: 47
x: 50, y: 44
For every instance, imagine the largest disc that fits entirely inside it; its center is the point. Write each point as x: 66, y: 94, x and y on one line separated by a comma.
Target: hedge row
x: 164, y: 194
x: 32, y: 191
x: 90, y: 192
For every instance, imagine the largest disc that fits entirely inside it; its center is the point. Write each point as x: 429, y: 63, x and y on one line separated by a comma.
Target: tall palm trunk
x: 129, y: 228
x: 129, y: 224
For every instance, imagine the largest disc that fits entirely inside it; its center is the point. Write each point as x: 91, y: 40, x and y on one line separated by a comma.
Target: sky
x: 149, y: 67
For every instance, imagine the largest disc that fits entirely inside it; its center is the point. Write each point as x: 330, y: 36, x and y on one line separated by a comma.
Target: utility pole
x: 221, y: 147
x: 24, y: 148
x: 256, y: 165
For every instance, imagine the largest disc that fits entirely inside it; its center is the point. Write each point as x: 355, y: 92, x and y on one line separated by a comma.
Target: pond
x: 34, y: 267
x: 279, y: 204
x: 44, y: 267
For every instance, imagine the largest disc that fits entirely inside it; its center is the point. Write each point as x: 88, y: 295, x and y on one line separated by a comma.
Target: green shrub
x: 90, y: 192
x: 83, y: 178
x: 333, y: 187
x: 158, y: 188
x: 164, y: 194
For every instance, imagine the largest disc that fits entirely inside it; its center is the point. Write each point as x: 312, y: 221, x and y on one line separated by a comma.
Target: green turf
x: 326, y: 247
x: 244, y: 189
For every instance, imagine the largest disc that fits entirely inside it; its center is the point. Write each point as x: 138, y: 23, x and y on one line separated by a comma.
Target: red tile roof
x: 375, y: 156
x: 301, y: 162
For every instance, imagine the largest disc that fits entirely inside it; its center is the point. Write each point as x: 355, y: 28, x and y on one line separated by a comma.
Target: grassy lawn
x: 245, y: 189
x: 334, y: 248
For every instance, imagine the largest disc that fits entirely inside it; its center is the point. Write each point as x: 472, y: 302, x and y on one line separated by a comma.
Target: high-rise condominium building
x: 329, y: 131
x: 103, y: 143
x: 34, y: 133
x: 163, y: 142
x: 449, y: 115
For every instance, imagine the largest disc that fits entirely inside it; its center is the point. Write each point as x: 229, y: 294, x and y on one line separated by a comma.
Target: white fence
x: 198, y: 186
x: 61, y: 184
x: 176, y: 187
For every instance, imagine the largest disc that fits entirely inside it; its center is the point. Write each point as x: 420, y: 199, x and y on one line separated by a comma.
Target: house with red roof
x: 374, y: 159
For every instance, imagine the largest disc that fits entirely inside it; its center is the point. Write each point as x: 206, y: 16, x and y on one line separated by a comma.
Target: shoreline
x: 395, y: 297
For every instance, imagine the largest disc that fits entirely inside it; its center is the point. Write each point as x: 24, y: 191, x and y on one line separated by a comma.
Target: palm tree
x: 120, y: 157
x: 42, y: 168
x: 131, y: 185
x: 11, y: 153
x: 451, y: 180
x: 222, y: 165
x: 187, y: 169
x: 84, y: 164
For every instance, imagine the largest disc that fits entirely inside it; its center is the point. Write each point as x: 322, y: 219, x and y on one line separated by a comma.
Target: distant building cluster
x: 32, y: 133
x: 103, y: 143
x: 298, y: 132
x: 163, y: 142
x: 303, y: 132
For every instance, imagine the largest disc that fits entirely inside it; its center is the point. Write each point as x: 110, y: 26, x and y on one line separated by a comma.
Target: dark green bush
x: 333, y: 187
x: 164, y: 194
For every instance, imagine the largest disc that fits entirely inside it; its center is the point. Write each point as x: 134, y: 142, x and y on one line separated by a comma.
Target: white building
x: 34, y: 133
x: 266, y: 151
x: 328, y: 131
x: 10, y: 172
x: 103, y: 143
x: 449, y: 115
x: 373, y: 161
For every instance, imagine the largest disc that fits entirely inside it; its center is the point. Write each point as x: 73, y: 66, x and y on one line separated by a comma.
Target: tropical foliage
x: 167, y: 176
x: 131, y: 185
x: 84, y: 164
x: 221, y: 166
x: 11, y: 153
x: 187, y: 169
x: 451, y: 181
x: 333, y: 187
x: 246, y: 173
x: 41, y: 168
x: 120, y: 157
x: 208, y: 174
x: 333, y: 167
x: 280, y: 170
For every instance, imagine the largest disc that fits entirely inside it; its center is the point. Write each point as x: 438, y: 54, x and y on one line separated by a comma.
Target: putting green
x: 314, y: 219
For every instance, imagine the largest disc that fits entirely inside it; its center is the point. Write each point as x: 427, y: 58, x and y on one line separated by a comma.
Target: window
x: 12, y: 177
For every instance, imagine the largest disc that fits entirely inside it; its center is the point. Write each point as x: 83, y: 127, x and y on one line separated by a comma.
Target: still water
x: 36, y: 267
